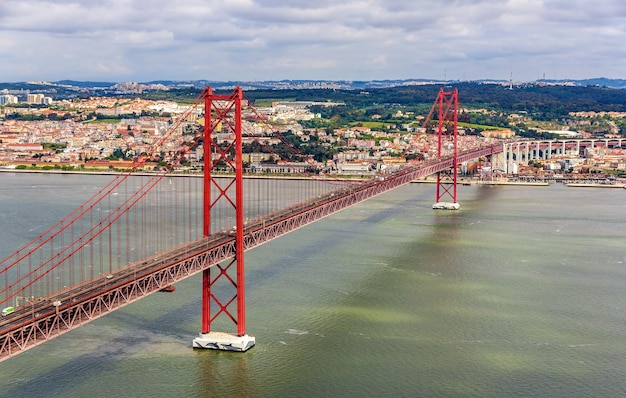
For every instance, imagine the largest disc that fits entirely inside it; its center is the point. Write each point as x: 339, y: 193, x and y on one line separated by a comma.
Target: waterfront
x: 520, y: 293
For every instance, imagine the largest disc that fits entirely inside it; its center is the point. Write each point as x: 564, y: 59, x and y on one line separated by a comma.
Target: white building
x: 8, y: 99
x: 353, y: 167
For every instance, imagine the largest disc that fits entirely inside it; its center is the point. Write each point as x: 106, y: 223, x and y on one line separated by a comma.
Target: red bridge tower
x: 222, y: 113
x: 447, y: 103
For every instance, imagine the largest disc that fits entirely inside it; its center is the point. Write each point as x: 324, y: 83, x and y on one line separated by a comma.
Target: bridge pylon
x: 222, y: 116
x: 447, y: 103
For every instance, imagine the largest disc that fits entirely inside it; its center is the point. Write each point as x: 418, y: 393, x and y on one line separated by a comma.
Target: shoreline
x: 524, y: 183
x: 186, y: 175
x: 421, y: 181
x: 592, y: 185
x: 478, y: 183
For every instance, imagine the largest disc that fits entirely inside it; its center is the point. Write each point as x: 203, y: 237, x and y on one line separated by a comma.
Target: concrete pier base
x: 224, y: 341
x: 446, y: 206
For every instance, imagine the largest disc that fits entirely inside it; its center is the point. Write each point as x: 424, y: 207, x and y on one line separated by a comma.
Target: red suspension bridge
x: 145, y: 231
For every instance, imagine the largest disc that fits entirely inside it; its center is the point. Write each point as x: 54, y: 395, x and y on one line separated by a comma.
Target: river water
x: 520, y: 293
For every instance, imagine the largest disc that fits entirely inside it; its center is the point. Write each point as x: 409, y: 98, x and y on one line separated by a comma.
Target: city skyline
x: 123, y: 40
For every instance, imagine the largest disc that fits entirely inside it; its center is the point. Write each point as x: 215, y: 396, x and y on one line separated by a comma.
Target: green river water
x: 520, y: 293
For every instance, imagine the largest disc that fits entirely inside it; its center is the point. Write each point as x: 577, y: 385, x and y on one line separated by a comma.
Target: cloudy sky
x: 142, y: 40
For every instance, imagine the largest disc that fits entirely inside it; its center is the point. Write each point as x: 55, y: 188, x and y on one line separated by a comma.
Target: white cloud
x: 275, y: 39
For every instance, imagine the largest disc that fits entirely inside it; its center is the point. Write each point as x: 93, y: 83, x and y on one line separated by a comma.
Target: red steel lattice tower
x: 222, y: 115
x: 447, y: 103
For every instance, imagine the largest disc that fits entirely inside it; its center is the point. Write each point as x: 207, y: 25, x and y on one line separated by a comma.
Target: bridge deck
x: 40, y: 321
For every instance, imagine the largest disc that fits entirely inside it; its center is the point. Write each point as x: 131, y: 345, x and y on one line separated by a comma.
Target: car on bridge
x: 8, y: 310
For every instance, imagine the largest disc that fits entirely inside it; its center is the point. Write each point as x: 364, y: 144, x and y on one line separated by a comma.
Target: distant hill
x: 317, y: 84
x: 86, y: 84
x: 545, y: 99
x: 372, y: 84
x: 599, y: 82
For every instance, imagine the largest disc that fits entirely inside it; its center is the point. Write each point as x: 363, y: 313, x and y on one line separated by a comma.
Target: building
x: 354, y: 167
x: 282, y: 168
x: 34, y: 99
x: 7, y: 99
x: 500, y: 133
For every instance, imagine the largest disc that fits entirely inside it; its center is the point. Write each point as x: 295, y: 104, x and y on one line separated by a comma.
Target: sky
x: 254, y: 40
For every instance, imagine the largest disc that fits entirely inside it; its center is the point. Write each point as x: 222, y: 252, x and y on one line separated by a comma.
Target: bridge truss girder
x: 48, y: 322
x: 129, y: 285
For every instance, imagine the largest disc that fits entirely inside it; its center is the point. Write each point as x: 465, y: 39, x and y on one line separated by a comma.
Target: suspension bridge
x: 144, y: 231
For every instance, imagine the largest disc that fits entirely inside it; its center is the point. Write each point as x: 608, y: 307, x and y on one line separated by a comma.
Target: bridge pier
x: 224, y: 341
x: 446, y: 206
